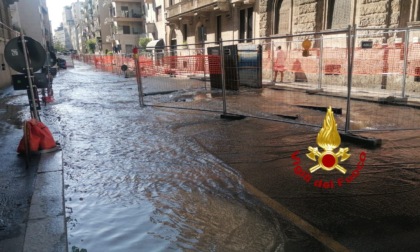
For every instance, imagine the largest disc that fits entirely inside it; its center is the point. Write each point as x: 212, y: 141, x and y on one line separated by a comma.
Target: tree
x: 91, y: 44
x: 58, y: 46
x: 143, y: 42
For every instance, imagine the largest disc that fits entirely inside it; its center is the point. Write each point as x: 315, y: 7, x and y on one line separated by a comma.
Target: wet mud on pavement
x: 377, y: 211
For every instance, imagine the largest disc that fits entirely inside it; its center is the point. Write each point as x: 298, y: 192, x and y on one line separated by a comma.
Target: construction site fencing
x: 171, y: 78
x: 368, y: 76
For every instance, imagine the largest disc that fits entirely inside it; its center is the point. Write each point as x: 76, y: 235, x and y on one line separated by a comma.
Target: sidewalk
x: 357, y: 93
x: 32, y: 216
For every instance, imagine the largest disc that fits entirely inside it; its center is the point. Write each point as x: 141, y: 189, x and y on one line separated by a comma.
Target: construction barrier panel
x: 380, y: 70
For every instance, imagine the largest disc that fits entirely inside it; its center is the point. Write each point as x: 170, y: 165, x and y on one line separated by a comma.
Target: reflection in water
x: 134, y: 185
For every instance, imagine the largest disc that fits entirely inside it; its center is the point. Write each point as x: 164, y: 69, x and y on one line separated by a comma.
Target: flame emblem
x: 328, y: 139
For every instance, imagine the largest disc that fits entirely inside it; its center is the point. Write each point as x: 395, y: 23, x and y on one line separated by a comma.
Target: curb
x: 46, y: 227
x: 367, y: 142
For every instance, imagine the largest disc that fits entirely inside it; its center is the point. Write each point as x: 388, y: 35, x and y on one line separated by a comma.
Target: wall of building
x: 31, y: 24
x: 130, y: 40
x: 105, y: 28
x: 59, y: 35
x: 155, y: 29
x: 5, y: 35
x: 77, y: 17
x: 5, y: 72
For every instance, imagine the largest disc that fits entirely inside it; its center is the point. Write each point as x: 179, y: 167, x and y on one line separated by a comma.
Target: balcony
x: 126, y: 1
x: 127, y: 16
x: 128, y: 31
x: 187, y: 8
x: 151, y: 27
x: 44, y: 10
x: 108, y: 20
x: 128, y: 38
x: 239, y: 2
x: 127, y: 19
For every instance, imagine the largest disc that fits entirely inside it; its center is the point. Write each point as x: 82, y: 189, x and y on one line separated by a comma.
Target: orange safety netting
x: 153, y: 66
x: 385, y: 60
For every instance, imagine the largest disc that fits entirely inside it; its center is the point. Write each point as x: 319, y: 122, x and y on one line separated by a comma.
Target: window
x: 245, y: 24
x: 338, y: 15
x: 126, y: 29
x: 143, y: 9
x: 128, y: 49
x: 330, y: 14
x: 250, y: 24
x: 202, y: 34
x: 418, y: 11
x: 158, y: 13
x: 184, y: 33
x: 281, y: 19
x: 405, y: 9
x: 241, y: 25
x: 137, y: 30
x: 218, y: 28
x: 417, y: 74
x: 124, y: 11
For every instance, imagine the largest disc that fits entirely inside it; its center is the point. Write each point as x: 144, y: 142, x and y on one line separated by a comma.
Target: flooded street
x: 132, y: 184
x: 160, y: 179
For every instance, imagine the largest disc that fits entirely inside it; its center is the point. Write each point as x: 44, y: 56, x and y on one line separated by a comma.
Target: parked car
x: 61, y: 63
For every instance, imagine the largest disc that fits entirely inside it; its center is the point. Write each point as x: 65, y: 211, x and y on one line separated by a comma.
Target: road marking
x: 295, y: 219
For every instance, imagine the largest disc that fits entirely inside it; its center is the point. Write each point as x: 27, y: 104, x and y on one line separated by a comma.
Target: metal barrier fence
x: 369, y: 76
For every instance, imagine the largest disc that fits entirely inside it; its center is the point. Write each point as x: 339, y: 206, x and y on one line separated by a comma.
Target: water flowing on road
x: 134, y: 183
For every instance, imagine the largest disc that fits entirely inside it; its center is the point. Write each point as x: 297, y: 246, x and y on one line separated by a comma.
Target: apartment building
x: 59, y: 35
x: 155, y: 21
x: 34, y: 20
x: 68, y: 27
x: 87, y: 25
x: 116, y: 26
x: 127, y: 21
x: 198, y: 21
x: 101, y: 29
x: 76, y: 12
x: 83, y: 28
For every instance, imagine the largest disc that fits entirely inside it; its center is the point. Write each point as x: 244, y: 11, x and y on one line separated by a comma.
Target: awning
x: 155, y: 45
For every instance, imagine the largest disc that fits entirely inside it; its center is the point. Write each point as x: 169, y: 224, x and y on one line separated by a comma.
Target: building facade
x: 127, y: 21
x: 76, y: 12
x: 101, y: 29
x: 199, y: 21
x: 115, y: 26
x: 155, y: 20
x: 33, y: 17
x: 5, y: 36
x: 59, y: 35
x: 68, y: 27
